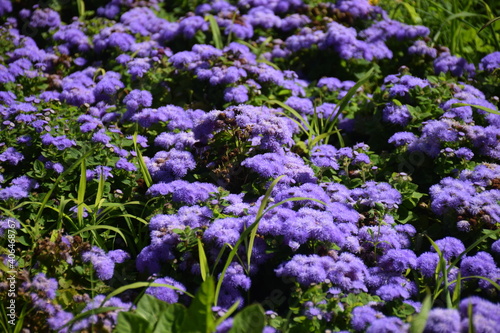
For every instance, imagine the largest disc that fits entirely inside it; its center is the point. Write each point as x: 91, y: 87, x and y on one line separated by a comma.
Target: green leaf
x: 484, y: 108
x: 171, y: 319
x: 132, y: 323
x: 81, y: 191
x: 250, y: 320
x: 90, y: 313
x: 199, y: 316
x: 142, y: 166
x: 204, y: 269
x: 150, y: 307
x: 137, y: 285
x: 216, y: 35
x: 418, y: 323
x: 228, y: 313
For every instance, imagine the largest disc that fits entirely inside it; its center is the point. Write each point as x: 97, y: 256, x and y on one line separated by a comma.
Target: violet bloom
x: 443, y: 321
x: 183, y: 191
x: 455, y: 65
x: 490, y: 62
x: 106, y: 320
x: 166, y: 294
x: 396, y: 114
x: 104, y: 264
x: 450, y: 247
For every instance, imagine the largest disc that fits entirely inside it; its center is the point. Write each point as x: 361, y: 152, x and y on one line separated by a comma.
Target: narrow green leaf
x: 262, y: 206
x: 204, y: 269
x: 100, y: 192
x: 90, y: 313
x: 292, y: 111
x: 81, y: 9
x: 137, y: 285
x: 59, y: 178
x: 413, y: 13
x: 81, y: 191
x: 346, y: 99
x: 489, y: 23
x: 228, y: 313
x: 142, y: 166
x: 214, y: 27
x: 95, y: 227
x: 484, y: 108
x: 418, y: 323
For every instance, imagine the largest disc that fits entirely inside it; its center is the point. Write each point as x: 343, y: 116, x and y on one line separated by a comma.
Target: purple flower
x: 11, y: 156
x: 482, y: 264
x: 388, y: 325
x: 8, y: 223
x: 105, y: 320
x: 306, y: 269
x: 5, y: 7
x: 484, y: 314
x: 46, y: 17
x: 420, y: 48
x: 174, y: 164
x: 398, y: 260
x: 41, y: 284
x: 396, y: 114
x: 122, y: 163
x: 104, y: 264
x: 226, y: 230
x: 372, y: 193
x: 443, y: 321
x: 166, y: 294
x: 450, y: 247
x: 183, y: 191
x: 362, y: 316
x: 455, y: 65
x: 490, y: 62
x: 138, y: 67
x: 237, y: 94
x: 427, y: 263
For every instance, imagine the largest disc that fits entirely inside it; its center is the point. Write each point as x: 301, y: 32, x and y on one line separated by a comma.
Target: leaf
x: 418, y: 323
x: 259, y: 215
x: 171, y: 319
x: 137, y: 285
x: 142, y: 166
x: 204, y: 269
x: 228, y: 313
x: 488, y: 23
x: 250, y: 320
x: 108, y: 227
x: 214, y: 27
x: 150, y: 307
x: 199, y: 316
x: 132, y: 323
x: 81, y: 191
x: 90, y: 313
x: 484, y: 108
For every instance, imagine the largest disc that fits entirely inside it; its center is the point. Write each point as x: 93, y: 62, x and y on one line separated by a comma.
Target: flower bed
x: 244, y: 166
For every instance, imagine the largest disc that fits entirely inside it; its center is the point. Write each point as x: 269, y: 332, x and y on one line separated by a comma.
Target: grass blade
x: 95, y: 227
x: 484, y: 108
x: 58, y: 180
x: 81, y: 191
x: 214, y: 27
x: 144, y: 169
x: 204, y: 269
x: 418, y: 323
x: 138, y: 285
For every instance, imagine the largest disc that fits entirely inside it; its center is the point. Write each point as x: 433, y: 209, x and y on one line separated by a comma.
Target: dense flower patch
x: 321, y: 160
